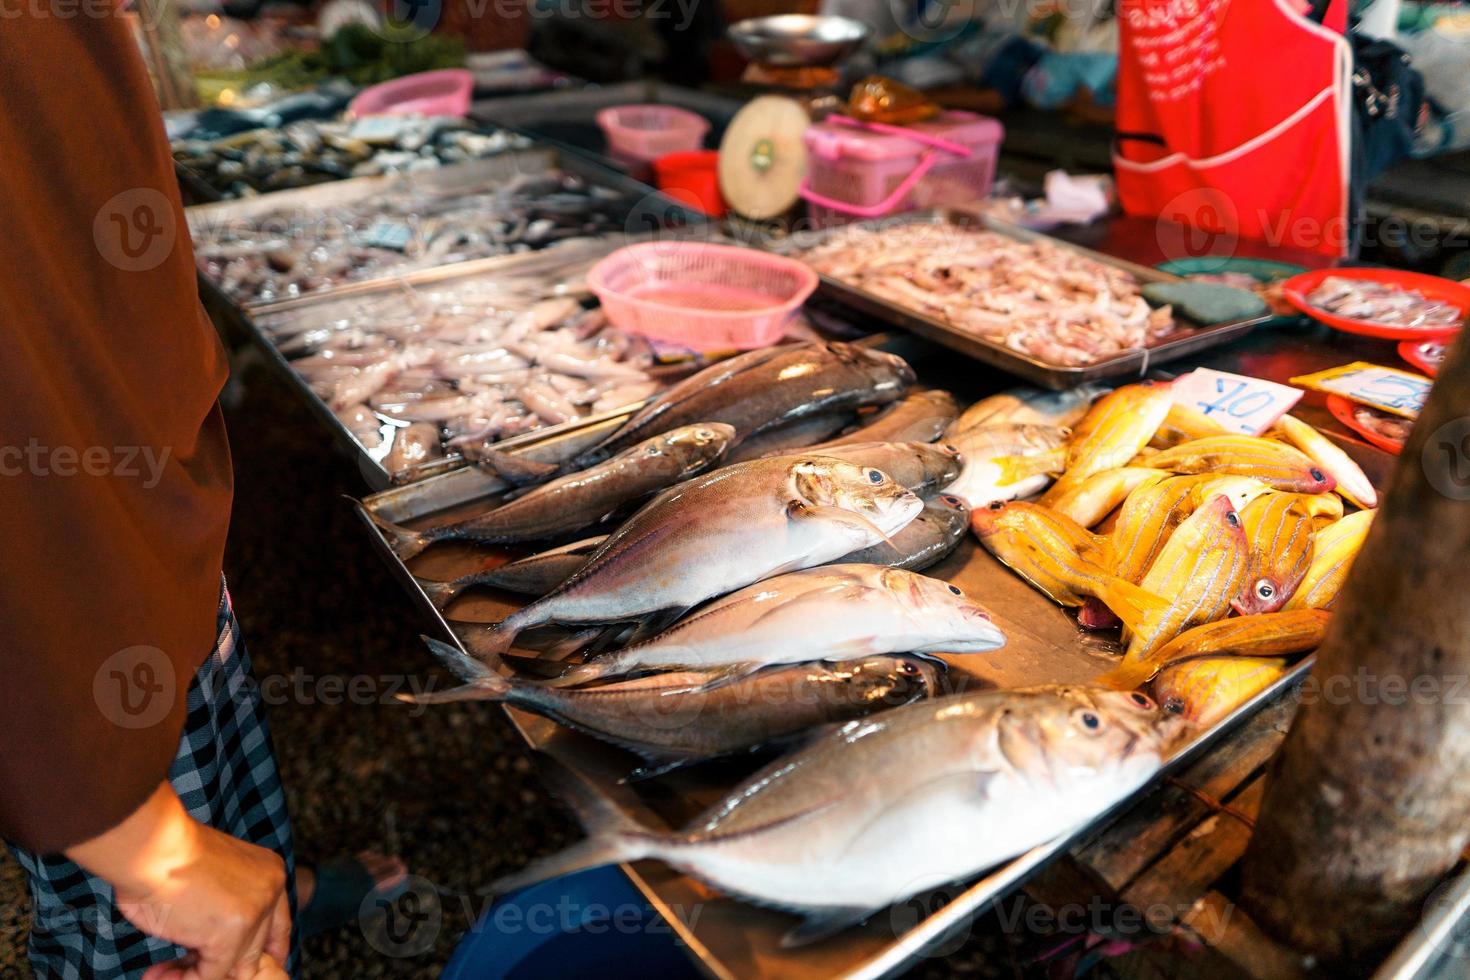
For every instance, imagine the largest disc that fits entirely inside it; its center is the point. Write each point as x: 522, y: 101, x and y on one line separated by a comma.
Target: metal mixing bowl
x: 798, y: 40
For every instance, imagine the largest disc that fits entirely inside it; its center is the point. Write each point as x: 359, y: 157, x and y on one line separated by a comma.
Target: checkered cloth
x: 225, y: 774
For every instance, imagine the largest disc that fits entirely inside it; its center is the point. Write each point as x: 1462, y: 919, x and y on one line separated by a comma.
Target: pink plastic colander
x: 700, y: 295
x: 647, y: 132
x: 429, y: 93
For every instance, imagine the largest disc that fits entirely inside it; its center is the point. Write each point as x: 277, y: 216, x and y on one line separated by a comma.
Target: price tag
x: 1238, y: 403
x: 383, y: 233
x: 1389, y: 389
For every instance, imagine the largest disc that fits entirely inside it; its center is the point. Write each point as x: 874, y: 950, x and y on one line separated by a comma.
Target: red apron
x: 1238, y: 124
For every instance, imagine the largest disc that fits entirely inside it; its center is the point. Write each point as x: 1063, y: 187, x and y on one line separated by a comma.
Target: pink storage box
x: 857, y: 170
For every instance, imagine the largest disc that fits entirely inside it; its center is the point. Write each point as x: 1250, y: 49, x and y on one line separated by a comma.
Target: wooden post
x: 1368, y: 803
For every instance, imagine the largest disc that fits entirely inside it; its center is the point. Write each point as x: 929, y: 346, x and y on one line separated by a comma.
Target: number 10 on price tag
x: 1236, y: 402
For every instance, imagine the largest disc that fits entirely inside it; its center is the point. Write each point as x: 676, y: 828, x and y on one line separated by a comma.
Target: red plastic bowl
x: 1423, y: 353
x: 692, y: 178
x: 1297, y: 288
x: 446, y: 92
x: 1342, y: 410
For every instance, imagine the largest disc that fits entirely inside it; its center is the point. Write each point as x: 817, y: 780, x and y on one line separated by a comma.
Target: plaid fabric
x: 225, y: 774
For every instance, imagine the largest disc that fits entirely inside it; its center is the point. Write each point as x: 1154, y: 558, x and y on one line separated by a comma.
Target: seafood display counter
x: 1043, y: 646
x: 968, y: 281
x: 426, y: 329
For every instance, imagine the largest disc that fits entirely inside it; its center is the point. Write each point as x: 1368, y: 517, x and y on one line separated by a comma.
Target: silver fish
x: 763, y: 389
x: 927, y: 540
x: 921, y: 416
x: 837, y: 612
x: 896, y: 804
x: 533, y: 575
x: 579, y: 500
x: 924, y: 541
x: 679, y: 717
x: 923, y: 467
x: 721, y: 531
x: 791, y: 437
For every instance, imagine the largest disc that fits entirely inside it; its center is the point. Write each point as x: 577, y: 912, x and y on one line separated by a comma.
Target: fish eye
x: 1174, y: 706
x: 1142, y: 700
x: 952, y: 501
x: 949, y: 448
x: 955, y: 589
x: 997, y: 505
x: 1265, y: 590
x: 1090, y: 721
x: 1233, y: 519
x: 875, y: 476
x: 1316, y: 474
x: 908, y: 667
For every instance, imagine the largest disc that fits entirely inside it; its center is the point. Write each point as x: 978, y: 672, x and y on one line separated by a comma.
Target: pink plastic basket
x: 700, y: 295
x: 647, y: 132
x: 429, y: 93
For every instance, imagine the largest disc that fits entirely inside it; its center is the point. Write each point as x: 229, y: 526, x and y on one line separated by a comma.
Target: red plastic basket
x: 647, y: 132
x: 701, y: 295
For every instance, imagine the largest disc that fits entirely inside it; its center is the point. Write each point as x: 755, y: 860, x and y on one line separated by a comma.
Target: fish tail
x: 441, y: 594
x: 612, y: 837
x: 489, y: 643
x: 1134, y: 605
x: 1014, y: 469
x: 404, y: 541
x: 481, y: 681
x: 1128, y: 676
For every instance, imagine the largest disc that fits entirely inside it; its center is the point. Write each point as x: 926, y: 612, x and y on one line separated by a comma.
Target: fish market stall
x: 464, y: 556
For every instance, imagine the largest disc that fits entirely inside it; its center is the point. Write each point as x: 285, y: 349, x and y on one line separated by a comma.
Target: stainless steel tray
x: 731, y: 939
x: 1133, y: 364
x: 652, y: 212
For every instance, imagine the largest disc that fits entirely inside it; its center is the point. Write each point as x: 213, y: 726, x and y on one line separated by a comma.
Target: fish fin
x: 441, y: 594
x: 653, y: 624
x: 581, y: 674
x: 612, y: 837
x: 825, y: 924
x: 725, y: 675
x: 481, y: 681
x: 1131, y: 603
x: 405, y: 542
x: 484, y: 640
x: 543, y: 668
x: 1014, y: 469
x: 515, y: 470
x: 798, y: 510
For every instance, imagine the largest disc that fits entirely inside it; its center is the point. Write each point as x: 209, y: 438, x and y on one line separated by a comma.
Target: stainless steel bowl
x: 798, y: 40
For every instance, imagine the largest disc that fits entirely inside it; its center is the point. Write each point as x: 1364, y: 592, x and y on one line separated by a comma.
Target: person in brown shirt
x: 137, y: 783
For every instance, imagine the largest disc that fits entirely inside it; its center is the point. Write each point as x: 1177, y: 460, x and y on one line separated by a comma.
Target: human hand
x: 222, y: 899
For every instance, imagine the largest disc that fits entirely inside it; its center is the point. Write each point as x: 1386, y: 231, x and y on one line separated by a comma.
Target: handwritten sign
x: 1238, y: 403
x: 1389, y: 389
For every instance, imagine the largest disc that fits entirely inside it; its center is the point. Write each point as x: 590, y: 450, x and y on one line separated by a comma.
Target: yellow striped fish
x: 1059, y: 557
x: 1205, y: 691
x: 1352, y: 482
x: 1277, y: 634
x: 1200, y: 569
x: 1333, y: 550
x: 1149, y: 515
x: 1183, y: 424
x: 1089, y: 501
x: 1279, y: 531
x: 1274, y: 463
x: 1112, y: 433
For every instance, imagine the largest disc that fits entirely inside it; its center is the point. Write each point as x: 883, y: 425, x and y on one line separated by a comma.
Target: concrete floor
x: 449, y: 789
